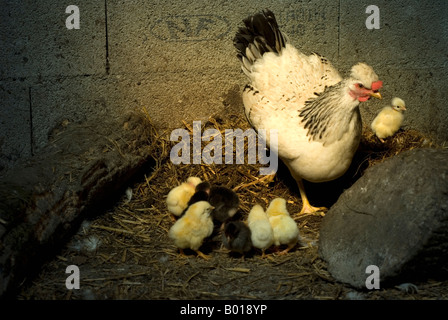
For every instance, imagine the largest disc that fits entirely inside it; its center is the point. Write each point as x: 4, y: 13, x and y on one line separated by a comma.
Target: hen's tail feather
x: 260, y: 34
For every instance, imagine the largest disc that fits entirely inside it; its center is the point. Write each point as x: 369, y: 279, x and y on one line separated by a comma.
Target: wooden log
x: 43, y: 200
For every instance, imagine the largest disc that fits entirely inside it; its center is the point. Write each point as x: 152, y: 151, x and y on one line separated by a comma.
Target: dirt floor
x: 125, y: 253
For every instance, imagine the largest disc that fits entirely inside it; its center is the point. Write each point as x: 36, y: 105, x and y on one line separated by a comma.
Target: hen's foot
x: 308, y: 209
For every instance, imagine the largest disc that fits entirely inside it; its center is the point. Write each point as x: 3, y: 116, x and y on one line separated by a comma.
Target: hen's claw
x: 309, y: 209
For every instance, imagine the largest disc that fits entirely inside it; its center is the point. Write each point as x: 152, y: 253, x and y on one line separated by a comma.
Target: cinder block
x: 197, y: 36
x: 177, y: 59
x: 15, y: 134
x: 59, y: 102
x: 168, y: 98
x: 171, y: 98
x: 36, y: 43
x: 412, y: 34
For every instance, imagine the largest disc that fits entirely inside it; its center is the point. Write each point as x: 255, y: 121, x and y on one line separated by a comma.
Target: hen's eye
x: 360, y: 85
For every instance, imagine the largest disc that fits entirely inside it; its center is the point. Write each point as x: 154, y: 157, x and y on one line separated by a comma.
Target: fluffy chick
x: 237, y: 237
x: 389, y: 120
x: 262, y: 235
x: 225, y: 201
x: 178, y: 197
x: 201, y: 194
x: 193, y: 227
x: 285, y: 229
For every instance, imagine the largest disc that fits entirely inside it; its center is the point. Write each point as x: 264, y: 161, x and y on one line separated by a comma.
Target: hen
x: 314, y: 110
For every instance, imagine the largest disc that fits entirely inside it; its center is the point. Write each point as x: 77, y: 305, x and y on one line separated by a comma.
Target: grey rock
x: 43, y: 200
x: 394, y: 217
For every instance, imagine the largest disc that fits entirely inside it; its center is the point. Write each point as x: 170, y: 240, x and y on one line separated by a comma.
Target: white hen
x: 302, y: 96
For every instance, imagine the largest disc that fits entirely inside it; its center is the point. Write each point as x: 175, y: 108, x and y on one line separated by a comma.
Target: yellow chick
x: 389, y: 120
x: 193, y: 227
x: 286, y: 231
x: 262, y: 235
x: 178, y: 197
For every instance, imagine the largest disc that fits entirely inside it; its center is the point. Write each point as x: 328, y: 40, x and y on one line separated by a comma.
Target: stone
x: 394, y: 217
x: 84, y: 169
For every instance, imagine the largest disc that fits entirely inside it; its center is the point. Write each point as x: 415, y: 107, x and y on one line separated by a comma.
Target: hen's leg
x: 307, y: 208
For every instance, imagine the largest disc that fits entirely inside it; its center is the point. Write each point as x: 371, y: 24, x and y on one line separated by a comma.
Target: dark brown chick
x: 237, y: 237
x: 201, y: 193
x: 225, y: 201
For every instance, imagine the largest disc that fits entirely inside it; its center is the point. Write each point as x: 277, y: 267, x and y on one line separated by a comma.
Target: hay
x: 136, y: 260
x: 376, y: 151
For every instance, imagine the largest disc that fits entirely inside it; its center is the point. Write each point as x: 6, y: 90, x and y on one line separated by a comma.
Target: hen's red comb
x: 377, y: 85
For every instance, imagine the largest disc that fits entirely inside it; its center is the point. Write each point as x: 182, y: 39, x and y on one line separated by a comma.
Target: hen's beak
x: 375, y: 94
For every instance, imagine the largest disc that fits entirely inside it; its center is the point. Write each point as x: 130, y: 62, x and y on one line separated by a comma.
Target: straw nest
x: 126, y: 253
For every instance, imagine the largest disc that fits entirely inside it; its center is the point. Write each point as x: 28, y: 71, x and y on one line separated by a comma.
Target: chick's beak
x: 375, y: 94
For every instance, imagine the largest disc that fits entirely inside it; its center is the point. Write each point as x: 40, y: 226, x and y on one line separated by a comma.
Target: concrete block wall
x: 176, y: 59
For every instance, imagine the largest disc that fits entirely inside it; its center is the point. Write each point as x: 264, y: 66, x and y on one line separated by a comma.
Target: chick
x: 201, y: 193
x: 284, y: 227
x: 262, y: 235
x: 225, y: 201
x: 179, y: 196
x: 237, y: 237
x: 389, y: 120
x: 191, y: 229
